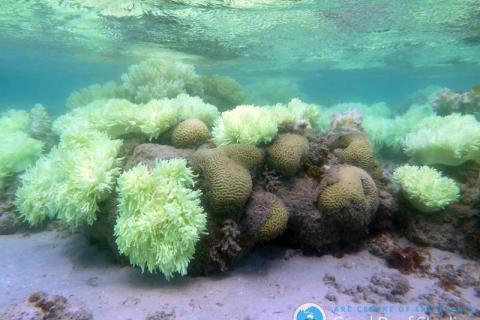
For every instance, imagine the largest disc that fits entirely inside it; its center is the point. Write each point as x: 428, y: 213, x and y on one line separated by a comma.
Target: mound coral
x: 250, y: 157
x: 246, y: 125
x: 160, y: 217
x: 288, y: 153
x: 450, y: 140
x: 266, y: 216
x: 426, y: 188
x: 71, y: 180
x: 349, y: 197
x: 358, y: 151
x: 226, y: 183
x: 190, y: 133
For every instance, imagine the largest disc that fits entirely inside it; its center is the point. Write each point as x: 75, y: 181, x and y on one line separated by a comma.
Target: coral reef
x: 426, y: 189
x: 160, y: 218
x: 450, y: 140
x: 266, y: 216
x: 349, y: 197
x: 190, y: 133
x: 226, y: 183
x: 446, y: 102
x: 288, y: 153
x: 247, y: 155
x: 245, y: 124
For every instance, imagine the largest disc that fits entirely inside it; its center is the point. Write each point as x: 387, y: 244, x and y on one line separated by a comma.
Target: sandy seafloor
x: 269, y: 284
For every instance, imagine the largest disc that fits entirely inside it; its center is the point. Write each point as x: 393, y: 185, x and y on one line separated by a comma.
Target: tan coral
x: 276, y: 222
x: 247, y: 155
x: 358, y: 152
x: 226, y: 183
x: 190, y: 133
x: 353, y: 189
x: 288, y: 153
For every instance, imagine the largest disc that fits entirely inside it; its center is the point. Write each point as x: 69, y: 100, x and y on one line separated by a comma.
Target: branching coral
x: 156, y: 79
x: 450, y: 140
x: 71, y: 180
x: 13, y: 121
x: 160, y: 217
x: 245, y: 124
x: 296, y: 110
x: 17, y: 152
x: 91, y: 93
x: 426, y: 188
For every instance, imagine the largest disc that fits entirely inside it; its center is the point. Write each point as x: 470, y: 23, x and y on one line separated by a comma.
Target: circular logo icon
x: 309, y: 311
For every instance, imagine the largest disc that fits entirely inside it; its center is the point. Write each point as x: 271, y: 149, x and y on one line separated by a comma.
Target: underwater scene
x: 239, y: 159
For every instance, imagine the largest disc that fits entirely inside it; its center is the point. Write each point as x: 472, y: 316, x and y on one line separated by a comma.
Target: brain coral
x: 266, y: 217
x: 350, y: 196
x: 245, y: 124
x: 359, y: 151
x: 189, y: 133
x: 425, y: 187
x: 288, y: 153
x: 247, y: 155
x: 227, y: 184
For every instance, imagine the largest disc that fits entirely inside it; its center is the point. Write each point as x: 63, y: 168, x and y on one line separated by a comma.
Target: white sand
x: 263, y: 286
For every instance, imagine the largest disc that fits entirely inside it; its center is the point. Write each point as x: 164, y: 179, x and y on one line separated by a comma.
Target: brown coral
x: 349, y: 196
x: 358, y: 151
x: 288, y: 153
x: 247, y: 155
x: 190, y: 133
x: 266, y: 217
x: 226, y: 184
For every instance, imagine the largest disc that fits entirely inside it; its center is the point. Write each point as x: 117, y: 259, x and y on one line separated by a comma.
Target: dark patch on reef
x: 43, y: 306
x: 10, y: 221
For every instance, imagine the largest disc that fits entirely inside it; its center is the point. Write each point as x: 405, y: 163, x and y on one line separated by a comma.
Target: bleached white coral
x: 91, y: 93
x: 156, y: 79
x: 71, y: 180
x: 450, y: 140
x: 245, y: 124
x: 160, y: 216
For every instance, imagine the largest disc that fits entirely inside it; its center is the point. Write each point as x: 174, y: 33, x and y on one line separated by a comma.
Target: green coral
x: 13, y: 121
x: 160, y: 217
x: 426, y: 188
x: 71, y: 180
x: 297, y: 110
x: 17, y: 152
x: 190, y: 133
x: 450, y: 140
x: 159, y: 78
x: 91, y: 93
x: 288, y: 153
x: 246, y: 125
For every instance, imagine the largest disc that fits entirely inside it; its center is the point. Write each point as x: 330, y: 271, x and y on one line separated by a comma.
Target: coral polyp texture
x: 426, y: 188
x: 349, y: 197
x: 288, y: 153
x: 266, y: 216
x: 226, y: 183
x: 190, y: 133
x: 358, y: 151
x: 450, y: 140
x: 160, y: 217
x: 70, y: 181
x: 245, y: 124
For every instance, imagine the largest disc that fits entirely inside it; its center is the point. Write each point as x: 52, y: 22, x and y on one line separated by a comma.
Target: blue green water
x: 366, y: 51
